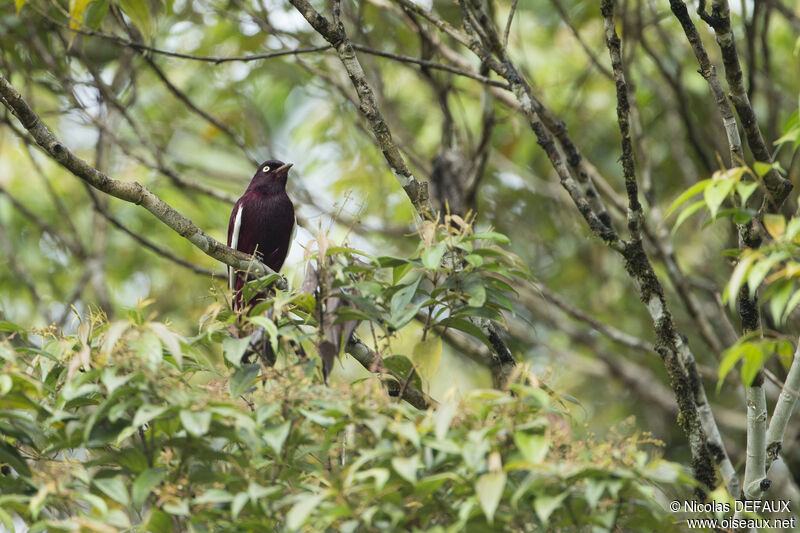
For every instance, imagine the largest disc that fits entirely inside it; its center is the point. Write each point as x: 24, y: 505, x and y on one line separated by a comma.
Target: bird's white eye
x: 265, y: 169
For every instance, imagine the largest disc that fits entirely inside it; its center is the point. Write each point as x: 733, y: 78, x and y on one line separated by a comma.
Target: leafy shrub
x: 154, y: 433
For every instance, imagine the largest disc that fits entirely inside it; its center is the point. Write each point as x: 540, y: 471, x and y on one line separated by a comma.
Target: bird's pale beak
x: 284, y: 168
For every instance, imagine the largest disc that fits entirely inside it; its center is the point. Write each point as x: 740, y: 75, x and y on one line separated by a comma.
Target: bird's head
x: 272, y: 174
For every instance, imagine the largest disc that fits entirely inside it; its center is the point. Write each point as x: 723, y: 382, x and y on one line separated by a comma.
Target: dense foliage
x: 145, y: 436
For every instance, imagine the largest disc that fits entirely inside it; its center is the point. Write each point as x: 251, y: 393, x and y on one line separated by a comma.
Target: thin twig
x: 180, y: 95
x: 163, y: 252
x: 508, y: 22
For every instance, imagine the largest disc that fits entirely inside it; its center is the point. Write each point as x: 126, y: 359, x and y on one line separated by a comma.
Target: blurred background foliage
x: 194, y: 130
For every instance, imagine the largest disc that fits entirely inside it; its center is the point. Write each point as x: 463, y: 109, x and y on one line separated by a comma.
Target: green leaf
x: 317, y: 418
x: 234, y: 349
x: 113, y: 334
x: 76, y: 9
x: 400, y: 271
x: 467, y: 327
x: 753, y: 357
x: 442, y: 418
x: 10, y: 327
x: 775, y: 225
x: 170, y: 339
x: 276, y: 436
x: 794, y: 300
x: 745, y: 190
x: 493, y: 236
x: 113, y: 487
x: 427, y: 354
x: 386, y: 261
x: 270, y: 328
x: 688, y: 193
x: 159, y: 522
x: 792, y: 135
x: 738, y: 277
x: 238, y: 504
x: 6, y: 384
x: 716, y: 193
x: 792, y: 228
x: 533, y: 447
x: 11, y: 456
x: 432, y: 257
x: 686, y: 213
x: 761, y: 268
x: 761, y: 168
x: 96, y: 13
x: 474, y: 260
x: 780, y: 297
x: 544, y: 505
x: 145, y: 483
x: 402, y: 367
x: 379, y: 475
x: 403, y: 297
x: 7, y: 521
x: 214, y: 496
x: 489, y: 488
x: 301, y: 511
x: 786, y: 354
x: 146, y: 413
x: 139, y: 13
x: 196, y: 422
x: 407, y: 467
x: 148, y: 347
x: 476, y: 289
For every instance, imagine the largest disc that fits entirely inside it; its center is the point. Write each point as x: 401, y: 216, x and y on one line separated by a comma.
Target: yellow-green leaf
x: 76, y: 10
x: 717, y: 192
x: 775, y: 224
x: 753, y: 357
x: 426, y: 355
x: 544, y: 505
x: 761, y: 168
x: 139, y: 14
x: 489, y: 488
x: 686, y: 213
x: 688, y: 193
x: 407, y: 467
x: 745, y: 190
x: 738, y: 276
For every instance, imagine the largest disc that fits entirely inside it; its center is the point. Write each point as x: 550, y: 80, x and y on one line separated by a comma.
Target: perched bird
x: 262, y: 223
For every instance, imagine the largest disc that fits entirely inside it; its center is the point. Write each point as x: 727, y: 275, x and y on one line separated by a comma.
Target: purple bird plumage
x: 262, y: 223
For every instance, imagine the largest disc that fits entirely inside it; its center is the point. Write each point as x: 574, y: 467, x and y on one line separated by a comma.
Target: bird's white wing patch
x: 237, y: 225
x: 291, y: 239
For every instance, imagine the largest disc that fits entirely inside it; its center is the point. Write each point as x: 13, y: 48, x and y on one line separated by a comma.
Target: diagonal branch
x: 163, y: 252
x: 237, y: 140
x: 132, y: 192
x: 416, y: 190
x: 372, y: 362
x: 696, y: 418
